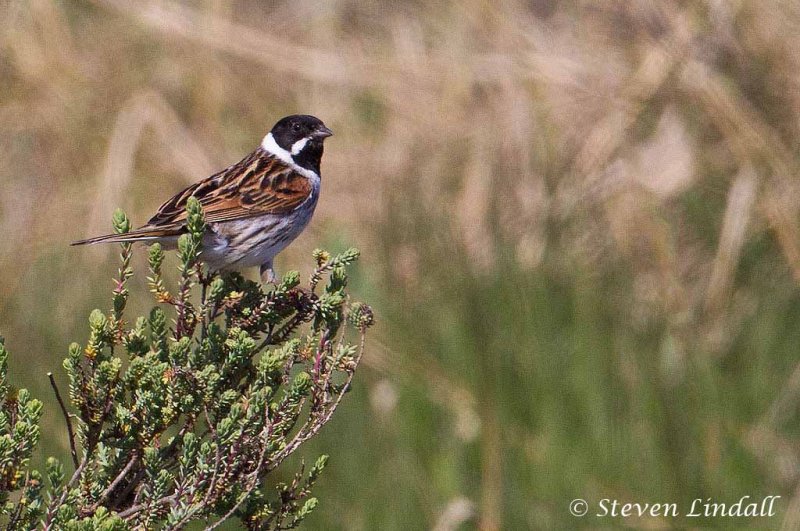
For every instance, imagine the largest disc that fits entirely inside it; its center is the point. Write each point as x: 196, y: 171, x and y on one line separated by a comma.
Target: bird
x: 253, y: 209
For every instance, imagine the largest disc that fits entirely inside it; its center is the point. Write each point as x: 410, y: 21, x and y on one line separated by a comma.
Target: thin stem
x: 114, y: 484
x: 217, y: 457
x: 135, y: 482
x: 205, y: 313
x: 312, y: 428
x: 55, y: 504
x: 131, y: 511
x: 253, y: 477
x: 71, y: 433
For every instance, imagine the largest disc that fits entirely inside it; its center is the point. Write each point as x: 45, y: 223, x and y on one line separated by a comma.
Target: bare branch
x: 73, y: 451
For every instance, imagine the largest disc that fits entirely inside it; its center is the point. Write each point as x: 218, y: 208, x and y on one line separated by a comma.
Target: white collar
x: 270, y: 146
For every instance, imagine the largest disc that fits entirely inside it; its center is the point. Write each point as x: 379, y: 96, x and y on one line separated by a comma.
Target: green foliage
x: 179, y: 423
x: 19, y: 435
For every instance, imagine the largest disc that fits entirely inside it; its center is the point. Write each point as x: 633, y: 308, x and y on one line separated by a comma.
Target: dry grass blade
x: 171, y: 19
x: 741, y: 198
x: 144, y: 109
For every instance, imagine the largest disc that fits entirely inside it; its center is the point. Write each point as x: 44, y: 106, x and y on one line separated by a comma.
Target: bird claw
x: 268, y: 275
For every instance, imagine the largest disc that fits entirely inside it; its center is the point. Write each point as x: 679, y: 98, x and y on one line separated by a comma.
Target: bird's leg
x: 268, y: 274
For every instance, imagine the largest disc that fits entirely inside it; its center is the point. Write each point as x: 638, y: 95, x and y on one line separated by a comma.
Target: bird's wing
x: 259, y: 184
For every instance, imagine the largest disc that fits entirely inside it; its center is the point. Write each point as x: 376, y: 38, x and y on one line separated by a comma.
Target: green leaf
x: 121, y: 222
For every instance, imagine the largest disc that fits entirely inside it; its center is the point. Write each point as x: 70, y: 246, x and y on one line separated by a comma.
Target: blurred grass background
x: 579, y: 223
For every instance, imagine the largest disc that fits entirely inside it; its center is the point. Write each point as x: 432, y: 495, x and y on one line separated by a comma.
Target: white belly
x: 254, y: 241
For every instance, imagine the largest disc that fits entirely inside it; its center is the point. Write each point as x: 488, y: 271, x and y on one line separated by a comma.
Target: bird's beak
x: 322, y: 132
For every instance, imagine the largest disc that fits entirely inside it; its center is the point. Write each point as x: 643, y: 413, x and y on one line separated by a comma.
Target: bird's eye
x: 296, y: 128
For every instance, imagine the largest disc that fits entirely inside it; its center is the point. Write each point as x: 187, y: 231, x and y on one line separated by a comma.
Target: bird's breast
x: 252, y: 241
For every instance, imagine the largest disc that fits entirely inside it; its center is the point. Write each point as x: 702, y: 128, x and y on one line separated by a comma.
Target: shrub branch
x: 191, y: 424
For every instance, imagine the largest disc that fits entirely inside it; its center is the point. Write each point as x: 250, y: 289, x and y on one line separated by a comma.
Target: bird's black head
x: 301, y: 136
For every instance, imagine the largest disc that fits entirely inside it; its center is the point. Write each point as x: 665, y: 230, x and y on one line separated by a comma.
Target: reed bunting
x: 253, y: 209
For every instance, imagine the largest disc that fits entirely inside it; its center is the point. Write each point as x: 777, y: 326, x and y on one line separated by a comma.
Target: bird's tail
x: 139, y: 235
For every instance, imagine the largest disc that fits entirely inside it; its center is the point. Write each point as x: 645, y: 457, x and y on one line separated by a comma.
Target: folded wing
x: 257, y: 185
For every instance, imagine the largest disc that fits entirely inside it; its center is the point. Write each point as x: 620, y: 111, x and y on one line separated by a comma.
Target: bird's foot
x: 268, y: 275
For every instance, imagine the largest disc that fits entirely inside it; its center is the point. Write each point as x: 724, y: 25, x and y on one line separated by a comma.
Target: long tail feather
x: 140, y: 235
